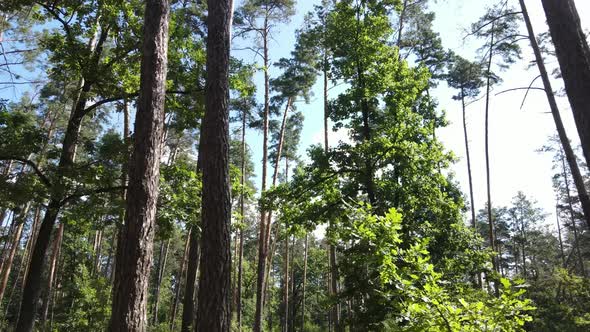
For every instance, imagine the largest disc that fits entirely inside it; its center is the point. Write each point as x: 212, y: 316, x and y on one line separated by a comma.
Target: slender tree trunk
x: 242, y: 214
x: 572, y: 214
x: 188, y: 306
x: 565, y: 142
x: 135, y: 255
x: 573, y: 55
x: 286, y: 286
x: 163, y: 256
x: 304, y: 281
x: 52, y: 271
x: 262, y: 244
x: 213, y: 310
x: 14, y: 247
x: 560, y: 238
x: 487, y: 151
x: 178, y: 285
x: 468, y: 161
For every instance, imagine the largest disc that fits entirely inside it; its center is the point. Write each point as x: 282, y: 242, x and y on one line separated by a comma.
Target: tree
x: 573, y: 54
x: 134, y: 259
x: 499, y: 28
x: 214, y: 296
x: 269, y: 12
x: 565, y: 142
x: 467, y: 77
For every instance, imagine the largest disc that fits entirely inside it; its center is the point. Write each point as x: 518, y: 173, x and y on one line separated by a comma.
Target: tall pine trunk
x: 188, y: 302
x: 468, y: 156
x: 487, y: 152
x: 262, y: 244
x: 130, y: 290
x: 241, y: 234
x: 573, y: 55
x: 214, y: 298
x: 565, y: 142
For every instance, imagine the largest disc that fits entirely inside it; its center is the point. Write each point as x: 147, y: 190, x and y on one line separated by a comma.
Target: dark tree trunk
x: 188, y: 302
x: 214, y: 298
x: 573, y: 54
x: 133, y: 263
x: 565, y: 142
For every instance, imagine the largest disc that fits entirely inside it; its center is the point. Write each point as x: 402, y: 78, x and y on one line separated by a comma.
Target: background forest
x: 356, y: 204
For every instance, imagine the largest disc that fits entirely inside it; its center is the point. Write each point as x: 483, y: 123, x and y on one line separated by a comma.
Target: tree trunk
x: 214, y: 296
x: 572, y: 214
x: 52, y: 270
x: 34, y: 271
x: 135, y: 255
x: 573, y: 55
x: 262, y: 244
x: 20, y: 223
x: 286, y: 285
x: 487, y: 151
x: 560, y: 238
x: 565, y: 142
x: 468, y: 161
x: 304, y: 284
x: 242, y: 213
x: 163, y: 256
x: 188, y: 302
x: 178, y: 285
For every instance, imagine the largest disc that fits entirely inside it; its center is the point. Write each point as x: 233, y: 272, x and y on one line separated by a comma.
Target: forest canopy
x: 282, y: 165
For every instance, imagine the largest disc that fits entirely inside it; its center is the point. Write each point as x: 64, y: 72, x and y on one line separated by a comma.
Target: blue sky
x: 515, y: 134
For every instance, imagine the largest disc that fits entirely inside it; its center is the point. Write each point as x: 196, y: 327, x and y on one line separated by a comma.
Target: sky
x: 515, y: 134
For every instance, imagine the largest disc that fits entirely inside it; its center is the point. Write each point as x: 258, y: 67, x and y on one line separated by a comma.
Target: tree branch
x: 32, y: 164
x: 92, y: 192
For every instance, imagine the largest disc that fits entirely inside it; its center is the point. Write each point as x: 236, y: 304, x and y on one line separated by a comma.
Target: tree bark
x: 565, y: 142
x: 135, y: 255
x: 573, y: 55
x: 214, y: 299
